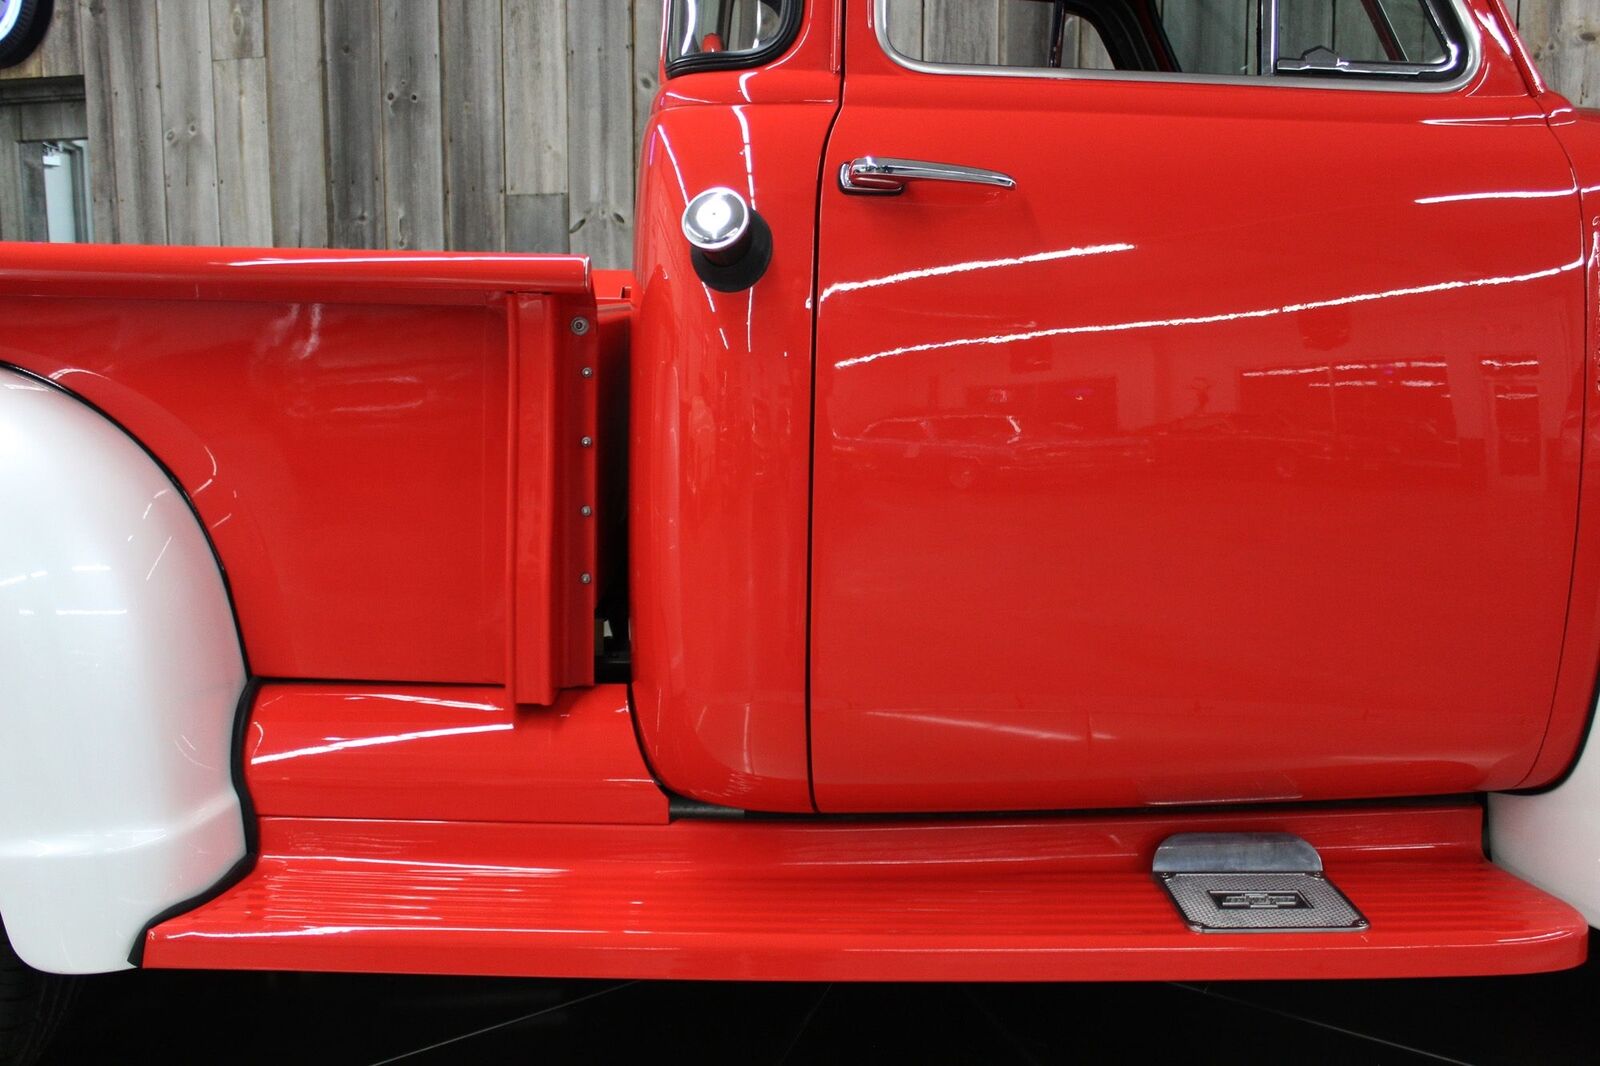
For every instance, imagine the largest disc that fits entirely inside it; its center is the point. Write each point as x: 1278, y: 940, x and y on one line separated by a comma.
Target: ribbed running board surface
x: 1024, y: 900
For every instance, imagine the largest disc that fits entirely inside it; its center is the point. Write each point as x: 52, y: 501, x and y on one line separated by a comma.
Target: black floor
x: 307, y: 1020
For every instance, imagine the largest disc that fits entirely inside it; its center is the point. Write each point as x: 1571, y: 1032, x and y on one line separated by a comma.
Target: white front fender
x: 1552, y: 839
x: 120, y: 676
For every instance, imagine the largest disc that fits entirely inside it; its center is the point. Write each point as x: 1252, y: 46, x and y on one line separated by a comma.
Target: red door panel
x: 1228, y: 456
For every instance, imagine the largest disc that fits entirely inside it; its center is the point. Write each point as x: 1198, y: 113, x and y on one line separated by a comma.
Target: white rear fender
x: 120, y: 677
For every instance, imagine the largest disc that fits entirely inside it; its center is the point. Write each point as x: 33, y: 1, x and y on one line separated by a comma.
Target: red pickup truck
x: 1031, y: 513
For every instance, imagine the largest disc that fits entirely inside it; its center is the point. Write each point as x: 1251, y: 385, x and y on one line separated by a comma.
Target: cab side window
x: 1401, y: 40
x: 1010, y: 33
x: 1368, y: 32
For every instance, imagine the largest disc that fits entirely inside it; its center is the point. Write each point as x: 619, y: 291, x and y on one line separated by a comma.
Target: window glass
x: 1405, y: 39
x: 726, y: 33
x: 1379, y: 32
x: 1010, y: 33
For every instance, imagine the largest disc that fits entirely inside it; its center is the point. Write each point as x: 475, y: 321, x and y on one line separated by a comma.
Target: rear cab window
x: 1366, y: 43
x: 728, y: 34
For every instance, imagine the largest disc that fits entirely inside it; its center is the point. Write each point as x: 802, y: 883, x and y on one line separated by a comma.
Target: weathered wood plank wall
x: 473, y: 124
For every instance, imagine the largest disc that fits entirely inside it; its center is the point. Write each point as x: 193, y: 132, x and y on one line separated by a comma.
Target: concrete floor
x: 308, y: 1020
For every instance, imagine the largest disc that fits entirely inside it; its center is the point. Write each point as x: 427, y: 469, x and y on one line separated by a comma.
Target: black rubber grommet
x: 749, y: 269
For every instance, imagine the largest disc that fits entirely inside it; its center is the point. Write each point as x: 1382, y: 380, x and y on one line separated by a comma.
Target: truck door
x: 1188, y: 432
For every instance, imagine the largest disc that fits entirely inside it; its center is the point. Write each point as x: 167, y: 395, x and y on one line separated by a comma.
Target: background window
x: 58, y: 187
x: 44, y: 162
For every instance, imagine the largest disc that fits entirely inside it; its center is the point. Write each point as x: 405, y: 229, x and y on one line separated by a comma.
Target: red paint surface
x: 1198, y: 466
x: 721, y: 424
x: 342, y: 423
x: 453, y: 753
x: 1003, y: 900
x: 1579, y: 132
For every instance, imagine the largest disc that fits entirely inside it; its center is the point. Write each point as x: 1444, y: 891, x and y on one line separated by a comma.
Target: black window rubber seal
x: 788, y: 30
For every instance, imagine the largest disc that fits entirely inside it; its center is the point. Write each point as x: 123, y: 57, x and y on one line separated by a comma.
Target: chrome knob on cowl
x: 730, y: 243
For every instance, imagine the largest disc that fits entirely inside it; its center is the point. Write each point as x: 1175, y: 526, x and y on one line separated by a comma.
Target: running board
x: 1019, y: 899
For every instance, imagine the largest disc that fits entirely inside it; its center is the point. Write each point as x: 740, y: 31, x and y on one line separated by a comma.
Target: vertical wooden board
x: 474, y: 124
x: 1024, y: 34
x: 11, y: 228
x: 35, y: 212
x: 905, y: 27
x: 537, y: 222
x: 534, y: 45
x: 1561, y: 34
x: 98, y: 98
x: 355, y: 125
x: 296, y: 123
x: 123, y: 78
x: 238, y: 29
x: 961, y: 31
x: 646, y: 68
x: 60, y: 54
x: 1212, y: 36
x: 600, y: 130
x: 413, y: 139
x: 188, y: 122
x: 244, y: 166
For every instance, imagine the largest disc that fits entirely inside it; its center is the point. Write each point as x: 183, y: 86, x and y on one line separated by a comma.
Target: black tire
x: 33, y: 19
x: 32, y: 1005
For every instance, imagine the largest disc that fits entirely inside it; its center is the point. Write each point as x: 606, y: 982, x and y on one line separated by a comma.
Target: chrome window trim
x: 1354, y: 78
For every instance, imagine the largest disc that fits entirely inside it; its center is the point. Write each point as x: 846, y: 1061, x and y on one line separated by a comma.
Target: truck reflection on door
x: 1399, y: 415
x: 1516, y: 423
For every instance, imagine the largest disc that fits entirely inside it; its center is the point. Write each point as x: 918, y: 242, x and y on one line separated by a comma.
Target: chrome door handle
x: 877, y: 175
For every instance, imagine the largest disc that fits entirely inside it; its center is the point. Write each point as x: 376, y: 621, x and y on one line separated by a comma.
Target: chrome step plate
x: 1252, y: 883
x: 1262, y: 903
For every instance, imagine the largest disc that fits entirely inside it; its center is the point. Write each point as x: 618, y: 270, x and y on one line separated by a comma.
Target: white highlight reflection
x: 1205, y: 320
x: 1508, y: 194
x: 975, y: 264
x: 369, y: 742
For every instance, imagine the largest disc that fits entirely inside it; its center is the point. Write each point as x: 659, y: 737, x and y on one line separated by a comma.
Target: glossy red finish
x: 721, y: 416
x: 1230, y: 456
x: 1579, y: 132
x: 453, y: 753
x: 159, y: 272
x: 342, y: 422
x: 1017, y: 900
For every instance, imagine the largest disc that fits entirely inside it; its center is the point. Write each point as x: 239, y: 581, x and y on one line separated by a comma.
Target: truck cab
x: 1336, y: 245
